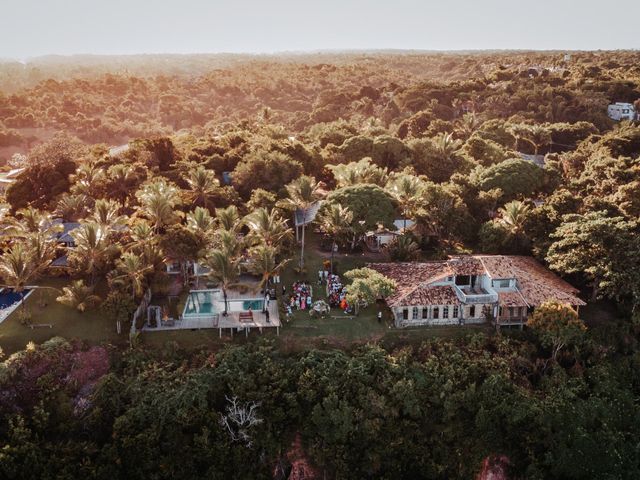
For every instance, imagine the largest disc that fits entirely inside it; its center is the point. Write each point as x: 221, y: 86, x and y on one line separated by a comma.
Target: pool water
x: 199, y: 303
x: 8, y: 297
x: 245, y: 305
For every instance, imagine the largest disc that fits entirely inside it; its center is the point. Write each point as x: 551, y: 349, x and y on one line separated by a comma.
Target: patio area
x: 204, y: 309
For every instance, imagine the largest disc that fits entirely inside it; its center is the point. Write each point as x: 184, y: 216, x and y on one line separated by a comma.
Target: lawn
x: 301, y: 332
x: 91, y: 326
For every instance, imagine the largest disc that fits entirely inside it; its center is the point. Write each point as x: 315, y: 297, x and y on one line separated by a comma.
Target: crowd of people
x: 301, y: 297
x: 337, y: 293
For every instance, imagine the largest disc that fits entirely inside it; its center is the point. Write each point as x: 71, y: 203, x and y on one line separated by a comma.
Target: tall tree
x: 263, y: 262
x: 267, y: 228
x: 606, y: 250
x: 228, y: 218
x: 78, y: 296
x: 367, y: 286
x: 225, y: 270
x: 18, y: 268
x: 182, y: 245
x: 132, y: 270
x: 407, y: 190
x: 303, y: 193
x: 202, y: 185
x: 158, y: 200
x: 106, y: 213
x: 93, y: 250
x: 201, y: 221
x: 557, y: 325
x: 337, y: 222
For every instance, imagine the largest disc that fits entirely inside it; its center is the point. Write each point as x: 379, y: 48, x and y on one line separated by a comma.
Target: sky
x: 31, y: 28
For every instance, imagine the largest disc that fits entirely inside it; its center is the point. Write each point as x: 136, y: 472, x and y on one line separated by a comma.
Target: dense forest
x: 494, y: 152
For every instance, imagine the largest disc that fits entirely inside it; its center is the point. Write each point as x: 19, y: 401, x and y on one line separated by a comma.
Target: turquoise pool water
x: 245, y: 305
x: 199, y: 303
x: 210, y: 302
x: 252, y: 304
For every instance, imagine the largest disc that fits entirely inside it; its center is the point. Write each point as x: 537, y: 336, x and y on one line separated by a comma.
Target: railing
x: 505, y: 319
x: 472, y: 298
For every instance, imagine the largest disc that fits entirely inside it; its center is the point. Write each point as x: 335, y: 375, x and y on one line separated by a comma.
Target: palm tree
x: 92, y: 249
x: 336, y: 221
x: 72, y: 207
x: 122, y: 181
x: 133, y: 269
x: 513, y: 216
x: 228, y: 218
x: 267, y: 228
x: 158, y: 200
x: 18, y: 269
x: 263, y: 262
x: 202, y: 185
x: 87, y: 178
x: 200, y: 220
x: 402, y: 249
x: 78, y: 296
x: 362, y: 171
x: 518, y: 131
x: 106, y: 214
x: 447, y: 146
x: 228, y: 242
x: 30, y: 220
x: 303, y: 192
x: 407, y: 190
x: 224, y: 269
x: 468, y: 124
x: 538, y: 136
x: 42, y: 248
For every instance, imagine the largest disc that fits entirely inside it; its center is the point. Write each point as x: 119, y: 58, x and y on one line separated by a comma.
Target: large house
x: 474, y: 289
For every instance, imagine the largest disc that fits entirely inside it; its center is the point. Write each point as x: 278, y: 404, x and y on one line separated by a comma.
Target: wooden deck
x: 237, y: 321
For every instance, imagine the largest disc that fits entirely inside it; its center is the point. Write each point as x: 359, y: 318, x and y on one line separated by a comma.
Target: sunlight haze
x: 31, y: 28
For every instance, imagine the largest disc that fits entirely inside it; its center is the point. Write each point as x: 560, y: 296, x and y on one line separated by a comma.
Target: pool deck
x: 5, y: 312
x: 229, y: 322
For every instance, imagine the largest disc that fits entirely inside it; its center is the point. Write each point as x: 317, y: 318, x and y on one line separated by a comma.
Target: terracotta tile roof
x: 511, y: 299
x: 411, y: 274
x: 466, y: 265
x: 535, y: 282
x: 424, y: 295
x: 412, y: 279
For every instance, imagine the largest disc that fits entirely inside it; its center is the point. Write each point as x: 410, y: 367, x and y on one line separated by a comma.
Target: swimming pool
x: 206, y: 303
x: 200, y: 302
x: 9, y: 297
x: 245, y: 305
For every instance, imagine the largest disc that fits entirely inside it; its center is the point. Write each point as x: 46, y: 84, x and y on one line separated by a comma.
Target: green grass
x: 301, y: 332
x: 91, y: 326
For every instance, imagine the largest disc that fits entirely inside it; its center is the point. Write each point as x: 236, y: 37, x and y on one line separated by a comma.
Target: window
x: 414, y: 313
x: 405, y: 314
x: 472, y: 311
x: 503, y: 283
x: 455, y: 311
x: 449, y: 279
x: 513, y: 311
x: 463, y: 280
x: 425, y: 313
x: 445, y: 312
x: 436, y: 312
x: 625, y: 110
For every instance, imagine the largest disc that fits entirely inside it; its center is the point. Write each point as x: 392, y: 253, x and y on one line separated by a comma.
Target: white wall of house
x: 429, y: 315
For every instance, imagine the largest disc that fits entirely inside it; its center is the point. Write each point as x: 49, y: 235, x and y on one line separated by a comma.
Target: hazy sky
x: 37, y: 27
